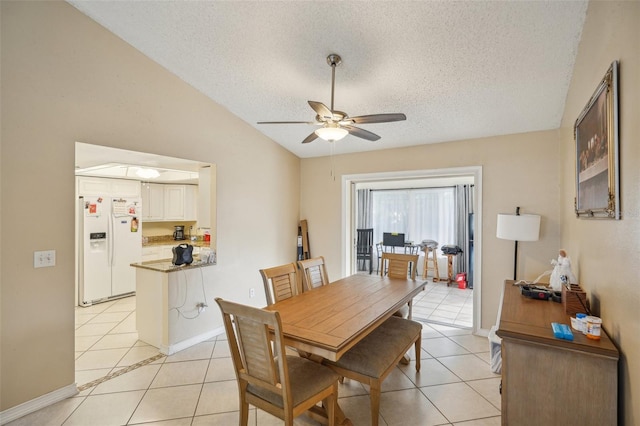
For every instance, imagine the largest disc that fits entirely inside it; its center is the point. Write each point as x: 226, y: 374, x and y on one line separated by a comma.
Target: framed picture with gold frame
x: 597, y: 160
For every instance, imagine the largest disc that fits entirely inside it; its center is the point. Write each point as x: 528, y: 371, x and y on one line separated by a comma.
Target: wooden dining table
x: 327, y: 321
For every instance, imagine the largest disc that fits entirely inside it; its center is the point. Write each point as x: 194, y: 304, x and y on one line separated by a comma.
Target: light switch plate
x: 44, y: 259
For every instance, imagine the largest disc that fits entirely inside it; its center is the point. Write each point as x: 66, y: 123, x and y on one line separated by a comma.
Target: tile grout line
x: 120, y: 372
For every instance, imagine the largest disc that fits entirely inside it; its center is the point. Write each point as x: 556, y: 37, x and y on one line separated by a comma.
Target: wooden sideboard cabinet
x: 549, y: 381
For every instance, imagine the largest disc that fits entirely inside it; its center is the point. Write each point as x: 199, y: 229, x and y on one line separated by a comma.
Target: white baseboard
x: 38, y: 403
x: 483, y: 332
x: 177, y: 347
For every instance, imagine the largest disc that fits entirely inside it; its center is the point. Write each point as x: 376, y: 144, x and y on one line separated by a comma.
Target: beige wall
x: 606, y: 252
x: 66, y: 79
x: 517, y: 170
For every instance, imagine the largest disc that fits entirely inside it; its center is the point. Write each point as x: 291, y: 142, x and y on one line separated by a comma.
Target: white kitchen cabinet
x: 174, y: 202
x: 167, y: 202
x: 191, y: 193
x: 158, y: 252
x: 104, y: 186
x: 152, y: 202
x: 150, y: 253
x: 166, y: 252
x: 125, y: 188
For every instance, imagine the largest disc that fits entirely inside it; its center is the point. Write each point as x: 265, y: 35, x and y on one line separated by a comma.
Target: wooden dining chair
x: 399, y: 265
x: 314, y: 273
x: 280, y: 282
x: 284, y: 386
x: 364, y: 248
x: 373, y: 358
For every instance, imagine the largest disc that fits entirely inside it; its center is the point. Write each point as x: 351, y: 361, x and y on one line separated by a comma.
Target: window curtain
x: 363, y: 212
x: 464, y: 230
x: 420, y: 214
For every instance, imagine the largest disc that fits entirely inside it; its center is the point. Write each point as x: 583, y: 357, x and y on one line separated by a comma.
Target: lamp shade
x: 331, y: 133
x: 525, y: 227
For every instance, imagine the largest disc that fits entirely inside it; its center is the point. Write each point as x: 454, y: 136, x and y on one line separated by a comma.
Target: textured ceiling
x: 458, y: 70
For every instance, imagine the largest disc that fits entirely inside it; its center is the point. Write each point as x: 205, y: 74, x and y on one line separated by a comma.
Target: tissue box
x: 574, y: 299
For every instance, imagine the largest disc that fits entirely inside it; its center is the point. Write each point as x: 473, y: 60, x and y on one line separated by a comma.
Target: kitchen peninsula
x: 172, y: 302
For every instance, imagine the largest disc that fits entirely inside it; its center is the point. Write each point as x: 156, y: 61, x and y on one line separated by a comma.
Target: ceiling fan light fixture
x: 337, y: 124
x: 331, y: 133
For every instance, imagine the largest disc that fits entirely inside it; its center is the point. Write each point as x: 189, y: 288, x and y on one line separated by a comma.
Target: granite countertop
x: 165, y: 265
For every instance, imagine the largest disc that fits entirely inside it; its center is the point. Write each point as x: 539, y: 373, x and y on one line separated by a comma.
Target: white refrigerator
x: 110, y: 241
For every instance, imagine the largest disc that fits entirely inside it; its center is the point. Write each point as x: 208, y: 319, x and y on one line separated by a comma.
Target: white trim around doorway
x: 348, y: 218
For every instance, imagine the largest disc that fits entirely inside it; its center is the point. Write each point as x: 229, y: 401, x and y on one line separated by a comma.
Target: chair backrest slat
x: 314, y: 273
x: 256, y: 350
x: 398, y: 265
x: 280, y: 282
x: 251, y: 332
x: 364, y: 241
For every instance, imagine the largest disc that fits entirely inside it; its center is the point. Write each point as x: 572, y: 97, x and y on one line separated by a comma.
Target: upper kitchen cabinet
x: 191, y: 193
x: 152, y: 202
x: 101, y: 186
x: 174, y: 201
x: 180, y: 202
x: 167, y: 202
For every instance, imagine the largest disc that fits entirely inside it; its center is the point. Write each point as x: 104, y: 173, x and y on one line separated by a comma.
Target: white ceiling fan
x: 335, y: 124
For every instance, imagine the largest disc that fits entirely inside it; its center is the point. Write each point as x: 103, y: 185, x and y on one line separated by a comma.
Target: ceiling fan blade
x: 286, y: 122
x: 321, y: 109
x: 310, y: 138
x: 361, y: 133
x: 377, y: 118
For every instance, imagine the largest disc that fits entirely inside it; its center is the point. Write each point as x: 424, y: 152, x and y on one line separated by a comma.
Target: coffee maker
x: 178, y: 233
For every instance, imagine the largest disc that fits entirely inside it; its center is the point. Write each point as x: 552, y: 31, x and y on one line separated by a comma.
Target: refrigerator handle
x: 111, y: 240
x: 80, y: 249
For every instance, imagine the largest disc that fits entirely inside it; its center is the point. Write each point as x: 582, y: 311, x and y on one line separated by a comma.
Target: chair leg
x: 405, y: 360
x: 374, y: 390
x: 288, y: 419
x: 418, y: 352
x: 244, y: 412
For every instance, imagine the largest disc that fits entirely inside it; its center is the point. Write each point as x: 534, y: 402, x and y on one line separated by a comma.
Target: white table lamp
x: 517, y: 227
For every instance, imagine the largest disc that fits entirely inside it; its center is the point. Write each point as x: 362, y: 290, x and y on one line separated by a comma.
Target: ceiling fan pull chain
x: 333, y: 161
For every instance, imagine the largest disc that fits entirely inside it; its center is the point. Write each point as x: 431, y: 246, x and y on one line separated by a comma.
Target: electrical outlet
x: 201, y: 307
x: 44, y: 259
x: 252, y: 292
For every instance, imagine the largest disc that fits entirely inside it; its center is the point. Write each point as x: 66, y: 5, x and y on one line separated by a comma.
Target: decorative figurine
x: 562, y: 272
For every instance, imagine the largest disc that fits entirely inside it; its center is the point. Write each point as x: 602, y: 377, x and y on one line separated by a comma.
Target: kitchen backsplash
x: 158, y: 229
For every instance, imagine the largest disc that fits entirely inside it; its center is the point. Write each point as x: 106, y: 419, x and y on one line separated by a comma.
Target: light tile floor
x: 442, y: 304
x: 197, y: 386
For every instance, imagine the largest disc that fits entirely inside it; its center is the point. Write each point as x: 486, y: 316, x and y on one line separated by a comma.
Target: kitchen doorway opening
x: 106, y: 337
x: 442, y: 302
